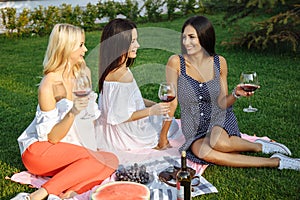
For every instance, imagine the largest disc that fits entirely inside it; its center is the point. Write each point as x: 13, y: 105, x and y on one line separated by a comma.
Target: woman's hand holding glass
x: 249, y: 83
x: 82, y: 88
x: 167, y: 93
x: 79, y: 104
x: 159, y: 109
x: 239, y: 91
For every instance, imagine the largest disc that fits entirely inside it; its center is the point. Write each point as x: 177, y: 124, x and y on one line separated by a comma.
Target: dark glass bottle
x: 183, y: 180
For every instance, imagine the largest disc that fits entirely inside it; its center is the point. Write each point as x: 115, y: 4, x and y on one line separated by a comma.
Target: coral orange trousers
x: 72, y: 167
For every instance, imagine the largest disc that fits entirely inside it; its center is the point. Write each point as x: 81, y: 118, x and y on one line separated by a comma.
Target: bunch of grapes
x: 134, y: 173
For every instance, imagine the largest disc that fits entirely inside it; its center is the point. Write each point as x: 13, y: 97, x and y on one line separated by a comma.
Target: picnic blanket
x: 155, y: 162
x: 158, y: 189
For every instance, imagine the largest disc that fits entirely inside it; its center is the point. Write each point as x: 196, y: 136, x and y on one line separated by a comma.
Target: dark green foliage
x: 171, y: 6
x: 41, y: 20
x: 153, y: 9
x: 89, y: 16
x: 283, y: 25
x: 281, y: 28
x: 130, y: 9
x: 9, y: 19
x: 109, y: 9
x: 188, y: 6
x: 22, y: 22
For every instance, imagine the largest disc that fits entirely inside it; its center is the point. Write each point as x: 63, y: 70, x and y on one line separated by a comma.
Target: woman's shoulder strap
x: 182, y: 64
x: 217, y: 62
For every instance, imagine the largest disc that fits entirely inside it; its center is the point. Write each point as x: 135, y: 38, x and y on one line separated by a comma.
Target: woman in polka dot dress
x: 208, y: 122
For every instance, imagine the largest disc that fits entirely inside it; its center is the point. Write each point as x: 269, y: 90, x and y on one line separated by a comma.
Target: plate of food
x: 134, y: 173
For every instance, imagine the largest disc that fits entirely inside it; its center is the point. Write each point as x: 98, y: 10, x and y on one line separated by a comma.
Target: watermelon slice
x: 123, y: 190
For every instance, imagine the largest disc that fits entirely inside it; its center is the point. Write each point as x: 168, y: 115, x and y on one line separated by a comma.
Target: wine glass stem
x: 250, y: 106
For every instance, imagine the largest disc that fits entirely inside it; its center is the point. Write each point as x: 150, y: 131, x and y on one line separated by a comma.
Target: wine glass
x: 249, y: 83
x: 167, y: 93
x: 83, y: 87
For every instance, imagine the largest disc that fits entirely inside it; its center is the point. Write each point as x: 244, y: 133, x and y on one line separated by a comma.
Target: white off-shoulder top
x: 117, y: 102
x: 81, y: 132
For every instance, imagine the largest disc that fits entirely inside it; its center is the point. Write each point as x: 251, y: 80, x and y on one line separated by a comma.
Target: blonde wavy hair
x: 63, y: 40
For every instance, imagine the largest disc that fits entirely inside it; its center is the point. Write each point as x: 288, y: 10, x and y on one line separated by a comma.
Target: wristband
x: 234, y: 95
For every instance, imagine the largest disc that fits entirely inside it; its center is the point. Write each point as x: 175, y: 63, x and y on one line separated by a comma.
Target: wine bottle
x: 183, y: 180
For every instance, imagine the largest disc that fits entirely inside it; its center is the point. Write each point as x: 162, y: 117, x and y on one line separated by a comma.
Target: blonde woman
x: 50, y: 146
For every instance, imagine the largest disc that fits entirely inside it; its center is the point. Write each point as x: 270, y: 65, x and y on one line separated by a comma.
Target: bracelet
x: 234, y: 94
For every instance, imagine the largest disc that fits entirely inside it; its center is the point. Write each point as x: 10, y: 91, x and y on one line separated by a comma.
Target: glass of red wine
x: 167, y: 93
x: 83, y: 87
x: 249, y: 83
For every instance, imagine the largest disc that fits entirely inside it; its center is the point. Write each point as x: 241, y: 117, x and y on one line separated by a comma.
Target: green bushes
x: 281, y: 28
x: 131, y: 10
x: 41, y: 20
x: 9, y: 19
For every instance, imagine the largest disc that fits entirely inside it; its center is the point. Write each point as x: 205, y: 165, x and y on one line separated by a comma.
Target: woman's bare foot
x: 39, y: 194
x: 163, y: 147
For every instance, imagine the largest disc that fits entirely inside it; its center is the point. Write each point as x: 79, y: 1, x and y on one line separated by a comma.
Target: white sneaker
x: 287, y: 162
x: 21, y: 196
x: 273, y: 147
x: 53, y: 197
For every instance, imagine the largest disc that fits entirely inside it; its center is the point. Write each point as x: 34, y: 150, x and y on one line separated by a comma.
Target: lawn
x: 278, y: 101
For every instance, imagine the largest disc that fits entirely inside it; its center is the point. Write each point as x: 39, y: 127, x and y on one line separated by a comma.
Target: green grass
x: 278, y: 101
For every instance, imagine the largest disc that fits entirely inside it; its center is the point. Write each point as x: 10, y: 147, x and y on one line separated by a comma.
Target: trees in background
x: 280, y: 28
x: 280, y: 24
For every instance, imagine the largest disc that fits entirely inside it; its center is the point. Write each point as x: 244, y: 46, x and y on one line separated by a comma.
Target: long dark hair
x: 205, y: 32
x: 115, y: 42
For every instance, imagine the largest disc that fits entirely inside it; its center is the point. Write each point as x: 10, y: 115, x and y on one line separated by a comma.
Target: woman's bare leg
x: 219, y: 140
x: 209, y: 149
x: 163, y: 142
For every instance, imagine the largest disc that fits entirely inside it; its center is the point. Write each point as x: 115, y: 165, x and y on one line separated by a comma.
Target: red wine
x: 249, y: 87
x: 167, y: 98
x: 82, y: 93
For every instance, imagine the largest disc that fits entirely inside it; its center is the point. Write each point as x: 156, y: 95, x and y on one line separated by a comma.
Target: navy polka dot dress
x: 199, y: 108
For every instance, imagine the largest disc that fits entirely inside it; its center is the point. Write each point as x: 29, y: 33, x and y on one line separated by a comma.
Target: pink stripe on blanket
x: 26, y: 177
x: 252, y: 138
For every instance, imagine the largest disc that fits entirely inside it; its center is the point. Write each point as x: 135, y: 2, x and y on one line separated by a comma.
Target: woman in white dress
x: 125, y: 123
